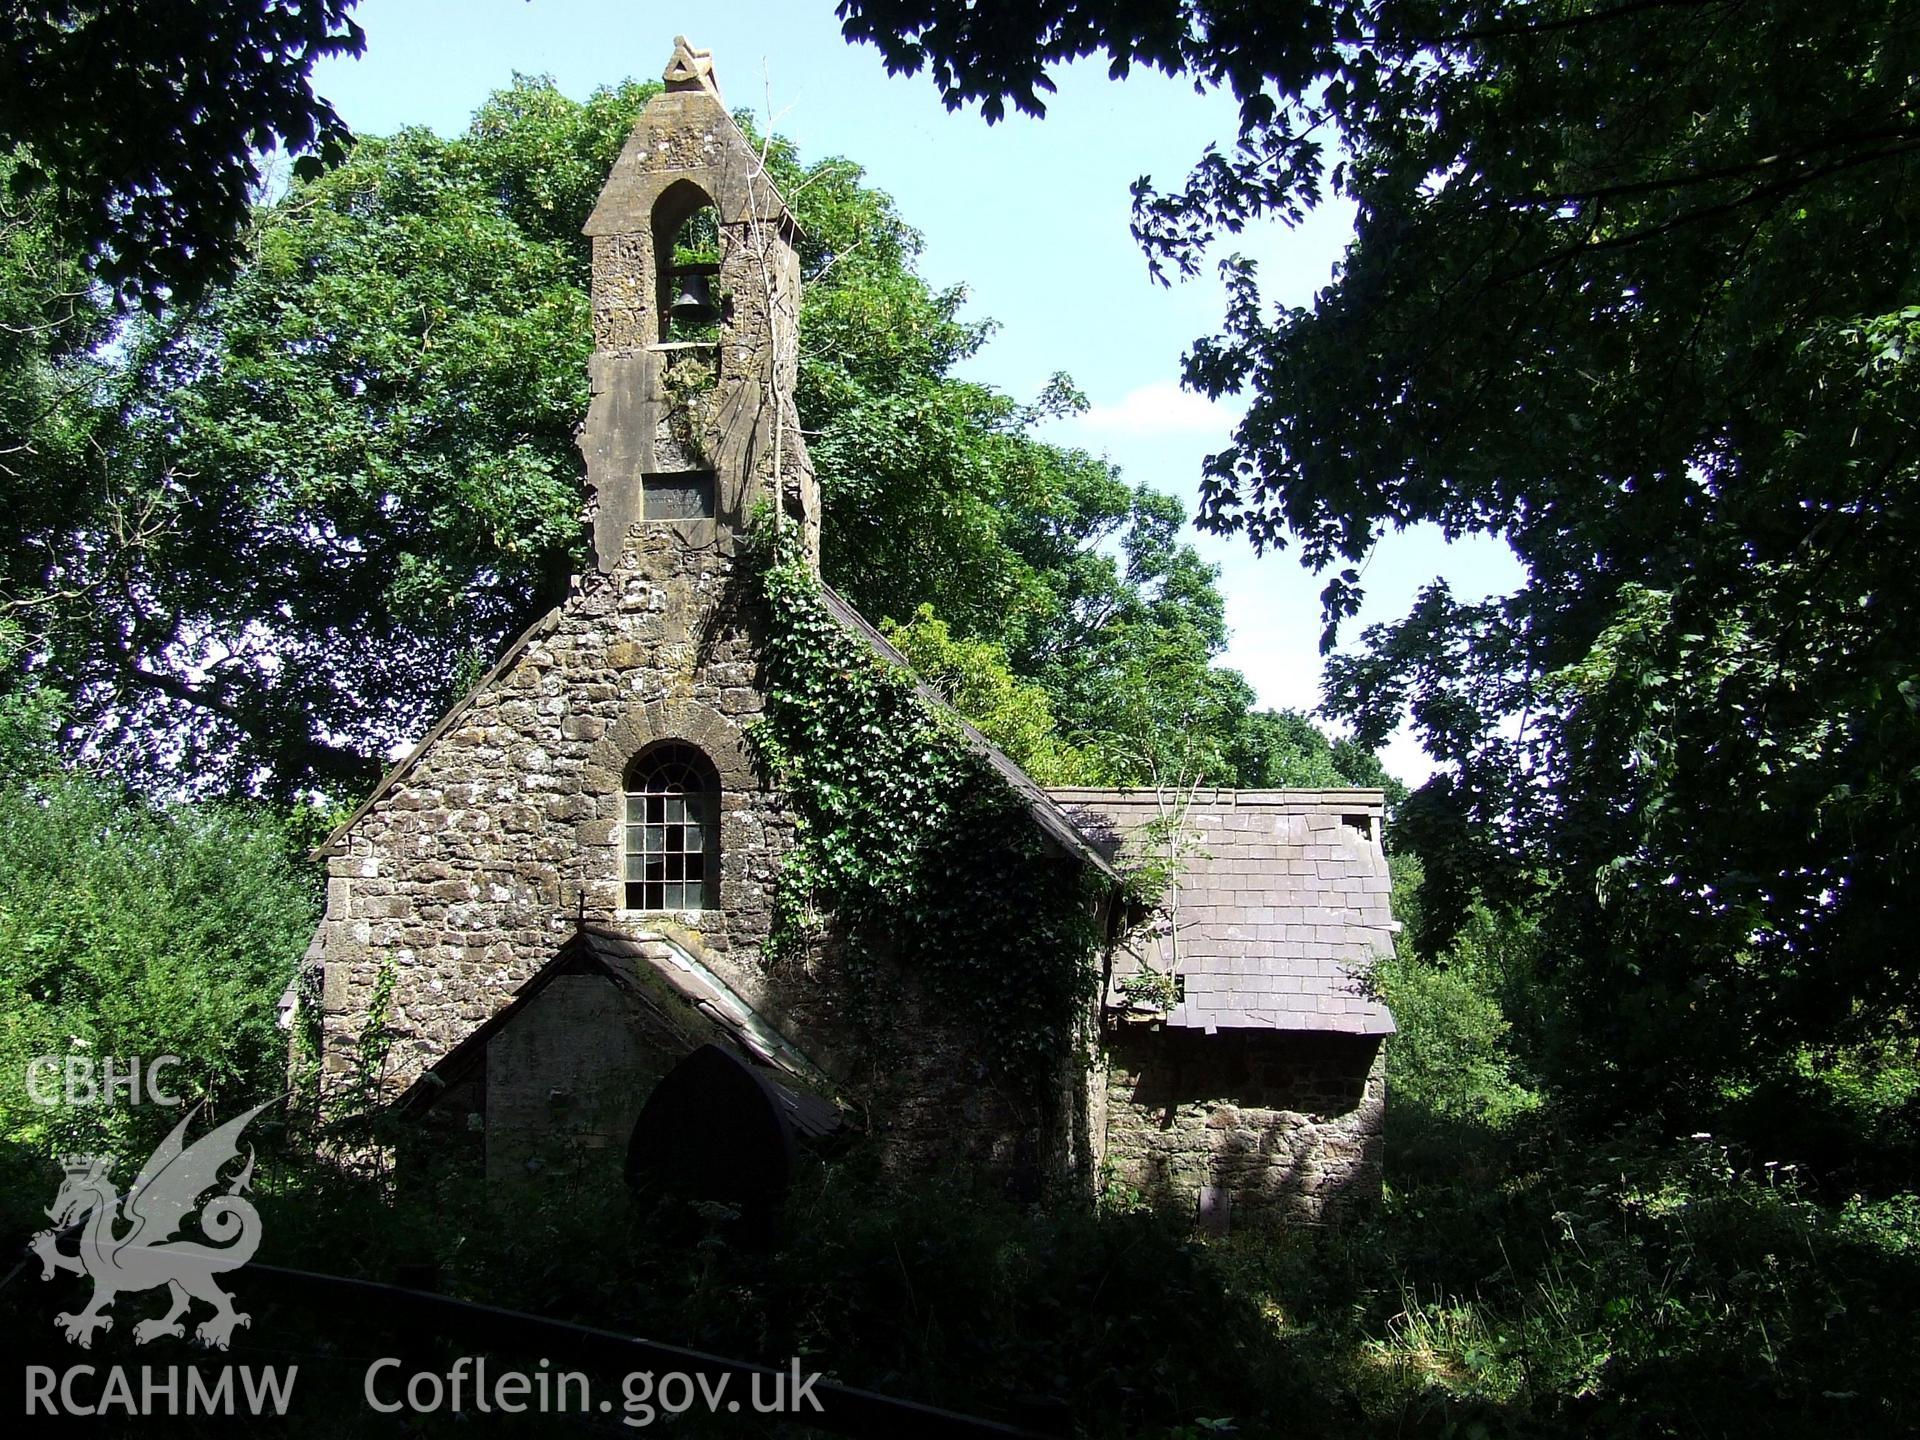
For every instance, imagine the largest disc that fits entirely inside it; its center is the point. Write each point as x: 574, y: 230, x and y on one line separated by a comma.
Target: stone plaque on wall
x: 682, y: 495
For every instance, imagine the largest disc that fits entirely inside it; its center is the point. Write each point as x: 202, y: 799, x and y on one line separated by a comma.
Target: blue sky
x: 1030, y: 215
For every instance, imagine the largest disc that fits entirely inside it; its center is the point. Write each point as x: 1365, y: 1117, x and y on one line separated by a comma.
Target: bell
x: 693, y: 300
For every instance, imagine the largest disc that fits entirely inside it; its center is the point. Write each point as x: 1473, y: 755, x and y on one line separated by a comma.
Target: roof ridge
x: 1227, y: 794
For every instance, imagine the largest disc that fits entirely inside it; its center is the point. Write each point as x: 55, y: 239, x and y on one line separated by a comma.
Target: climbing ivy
x: 911, y: 841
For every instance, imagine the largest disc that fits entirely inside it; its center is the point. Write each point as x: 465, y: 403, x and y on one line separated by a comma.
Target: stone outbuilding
x: 1245, y: 1064
x: 567, y: 888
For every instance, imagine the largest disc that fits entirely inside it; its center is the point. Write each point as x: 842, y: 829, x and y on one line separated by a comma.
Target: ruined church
x: 559, y: 904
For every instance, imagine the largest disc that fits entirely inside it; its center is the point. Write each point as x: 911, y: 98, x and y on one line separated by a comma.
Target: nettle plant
x: 912, y: 842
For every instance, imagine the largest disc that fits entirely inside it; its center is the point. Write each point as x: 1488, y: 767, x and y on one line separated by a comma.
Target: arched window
x: 673, y: 830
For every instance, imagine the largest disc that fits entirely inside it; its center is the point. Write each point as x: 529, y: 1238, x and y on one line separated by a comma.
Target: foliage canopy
x: 149, y: 122
x: 1635, y: 287
x: 919, y: 849
x: 129, y: 929
x: 317, y: 504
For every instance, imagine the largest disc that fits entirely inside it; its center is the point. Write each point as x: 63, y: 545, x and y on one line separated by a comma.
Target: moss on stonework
x: 909, y: 843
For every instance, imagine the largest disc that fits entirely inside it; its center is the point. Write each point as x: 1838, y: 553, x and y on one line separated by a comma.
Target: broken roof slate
x: 1283, y: 904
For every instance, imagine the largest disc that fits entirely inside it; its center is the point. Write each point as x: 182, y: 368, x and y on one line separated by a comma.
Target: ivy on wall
x: 911, y: 841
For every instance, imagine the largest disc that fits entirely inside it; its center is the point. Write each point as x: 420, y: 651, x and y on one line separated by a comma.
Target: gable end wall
x: 467, y: 874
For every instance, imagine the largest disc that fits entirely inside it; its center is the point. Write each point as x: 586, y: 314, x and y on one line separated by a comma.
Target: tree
x: 129, y: 929
x: 1015, y: 714
x: 57, y: 402
x: 1274, y: 749
x: 1633, y: 285
x: 938, y: 495
x: 149, y: 120
x: 358, y: 468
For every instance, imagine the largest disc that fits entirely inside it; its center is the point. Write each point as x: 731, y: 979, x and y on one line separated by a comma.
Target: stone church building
x: 562, y: 898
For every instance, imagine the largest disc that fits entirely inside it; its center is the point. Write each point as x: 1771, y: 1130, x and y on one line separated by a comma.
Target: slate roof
x: 1283, y: 904
x: 620, y: 959
x: 1046, y: 813
x: 1054, y: 823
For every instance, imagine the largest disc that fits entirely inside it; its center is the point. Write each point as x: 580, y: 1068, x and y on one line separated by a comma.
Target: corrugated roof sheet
x: 1283, y: 903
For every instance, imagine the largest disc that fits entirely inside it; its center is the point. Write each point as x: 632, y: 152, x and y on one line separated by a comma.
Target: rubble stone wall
x: 1287, y: 1123
x: 467, y: 871
x: 466, y: 875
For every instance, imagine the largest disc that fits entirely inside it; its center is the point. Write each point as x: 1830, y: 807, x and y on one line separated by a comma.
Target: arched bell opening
x: 686, y: 247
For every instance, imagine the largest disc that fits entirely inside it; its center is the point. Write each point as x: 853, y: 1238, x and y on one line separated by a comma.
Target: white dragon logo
x: 147, y: 1255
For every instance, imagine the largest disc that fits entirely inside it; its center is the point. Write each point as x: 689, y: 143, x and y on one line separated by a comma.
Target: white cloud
x: 1161, y: 408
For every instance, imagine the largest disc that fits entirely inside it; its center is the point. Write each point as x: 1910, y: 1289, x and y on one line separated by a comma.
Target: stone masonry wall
x: 566, y: 1081
x: 466, y: 875
x: 686, y: 149
x: 1289, y: 1123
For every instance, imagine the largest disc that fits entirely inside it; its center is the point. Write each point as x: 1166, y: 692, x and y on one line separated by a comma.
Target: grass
x: 1536, y: 1287
x: 1518, y: 1277
x: 1639, y: 1287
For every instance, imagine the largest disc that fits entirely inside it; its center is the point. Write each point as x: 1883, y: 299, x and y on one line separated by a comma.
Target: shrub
x: 132, y: 929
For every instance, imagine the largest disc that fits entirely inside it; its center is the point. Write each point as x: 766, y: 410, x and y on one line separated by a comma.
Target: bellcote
x: 696, y: 308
